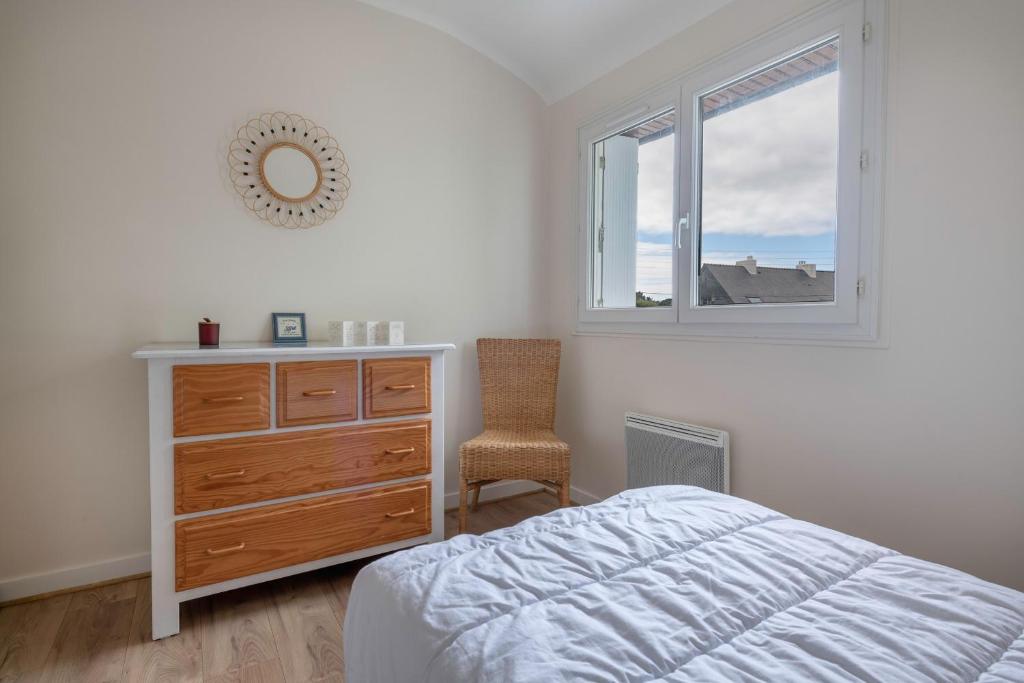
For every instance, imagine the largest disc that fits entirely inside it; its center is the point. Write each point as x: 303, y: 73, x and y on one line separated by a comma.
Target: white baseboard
x: 583, y: 497
x: 503, y: 489
x: 83, y: 575
x: 72, y: 577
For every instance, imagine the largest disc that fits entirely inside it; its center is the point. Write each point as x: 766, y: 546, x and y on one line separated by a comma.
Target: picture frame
x: 289, y: 328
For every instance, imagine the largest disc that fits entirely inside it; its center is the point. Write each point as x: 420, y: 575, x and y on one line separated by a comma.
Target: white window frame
x: 854, y: 315
x: 614, y: 122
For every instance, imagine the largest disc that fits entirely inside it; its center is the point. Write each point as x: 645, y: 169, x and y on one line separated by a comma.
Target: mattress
x: 675, y: 583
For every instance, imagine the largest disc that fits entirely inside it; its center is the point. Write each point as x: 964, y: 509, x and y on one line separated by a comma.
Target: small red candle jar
x: 209, y: 333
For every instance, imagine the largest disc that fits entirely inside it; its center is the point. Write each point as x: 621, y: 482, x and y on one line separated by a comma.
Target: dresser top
x: 190, y: 350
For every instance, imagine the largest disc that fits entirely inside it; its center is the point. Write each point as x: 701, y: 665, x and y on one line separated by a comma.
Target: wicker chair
x: 518, y: 383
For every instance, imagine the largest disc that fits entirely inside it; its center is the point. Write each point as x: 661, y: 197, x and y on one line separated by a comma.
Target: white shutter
x: 618, y: 256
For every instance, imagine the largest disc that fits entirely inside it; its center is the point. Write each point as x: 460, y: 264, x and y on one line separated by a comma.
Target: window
x: 633, y: 196
x: 739, y: 200
x: 768, y: 183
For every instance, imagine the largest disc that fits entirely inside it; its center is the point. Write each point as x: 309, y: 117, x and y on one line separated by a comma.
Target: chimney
x: 809, y: 268
x: 750, y: 264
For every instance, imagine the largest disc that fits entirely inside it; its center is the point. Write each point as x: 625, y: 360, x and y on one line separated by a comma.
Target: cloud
x: 769, y: 171
x: 655, y: 185
x: 654, y: 268
x: 769, y: 168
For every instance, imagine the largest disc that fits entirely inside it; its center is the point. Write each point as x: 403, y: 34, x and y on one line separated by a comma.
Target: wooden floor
x: 285, y: 630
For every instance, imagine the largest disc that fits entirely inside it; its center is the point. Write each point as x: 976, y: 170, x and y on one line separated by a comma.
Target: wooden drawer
x: 396, y: 386
x: 221, y: 547
x: 312, y: 392
x: 226, y: 472
x: 217, y: 399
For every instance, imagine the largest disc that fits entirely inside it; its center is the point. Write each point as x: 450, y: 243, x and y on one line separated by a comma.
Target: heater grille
x: 660, y: 451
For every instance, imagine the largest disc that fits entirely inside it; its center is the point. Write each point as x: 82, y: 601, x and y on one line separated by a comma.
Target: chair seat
x: 509, y: 454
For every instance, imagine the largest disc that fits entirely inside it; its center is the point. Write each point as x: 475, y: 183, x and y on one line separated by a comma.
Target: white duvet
x: 675, y: 584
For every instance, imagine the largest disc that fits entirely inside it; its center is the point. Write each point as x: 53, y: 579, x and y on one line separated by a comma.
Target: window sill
x: 801, y: 335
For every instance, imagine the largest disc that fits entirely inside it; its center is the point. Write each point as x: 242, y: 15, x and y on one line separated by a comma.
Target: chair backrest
x: 518, y: 382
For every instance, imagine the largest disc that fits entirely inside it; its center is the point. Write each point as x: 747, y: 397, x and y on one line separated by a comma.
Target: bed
x: 675, y: 583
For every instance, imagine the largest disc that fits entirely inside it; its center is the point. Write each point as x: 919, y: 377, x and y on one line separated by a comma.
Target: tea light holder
x: 376, y: 332
x: 209, y: 333
x: 335, y: 332
x: 353, y: 333
x: 396, y: 333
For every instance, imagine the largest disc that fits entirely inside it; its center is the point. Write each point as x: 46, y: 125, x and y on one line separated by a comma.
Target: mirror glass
x: 289, y: 172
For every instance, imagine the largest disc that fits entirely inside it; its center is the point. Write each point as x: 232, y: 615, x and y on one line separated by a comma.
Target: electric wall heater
x: 660, y: 451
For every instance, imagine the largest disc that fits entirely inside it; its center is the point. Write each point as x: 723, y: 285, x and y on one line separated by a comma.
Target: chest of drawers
x: 267, y: 461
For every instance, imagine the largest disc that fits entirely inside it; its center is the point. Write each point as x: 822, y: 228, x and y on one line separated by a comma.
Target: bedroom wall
x: 917, y: 445
x: 119, y: 227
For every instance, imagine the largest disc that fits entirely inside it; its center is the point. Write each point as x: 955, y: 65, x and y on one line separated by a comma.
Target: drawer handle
x: 320, y: 392
x: 399, y: 451
x: 403, y: 513
x: 399, y: 387
x: 226, y: 475
x: 224, y: 399
x: 221, y: 551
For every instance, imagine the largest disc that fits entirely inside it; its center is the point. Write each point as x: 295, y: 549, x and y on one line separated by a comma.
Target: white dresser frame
x: 163, y: 357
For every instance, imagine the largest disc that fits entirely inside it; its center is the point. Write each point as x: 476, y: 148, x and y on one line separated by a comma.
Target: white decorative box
x: 335, y: 332
x: 396, y: 332
x: 353, y: 333
x: 376, y: 332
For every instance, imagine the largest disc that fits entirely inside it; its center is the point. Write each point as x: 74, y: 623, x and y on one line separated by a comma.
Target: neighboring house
x: 748, y: 283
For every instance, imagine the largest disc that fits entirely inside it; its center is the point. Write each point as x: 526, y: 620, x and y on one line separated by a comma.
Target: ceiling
x: 557, y: 46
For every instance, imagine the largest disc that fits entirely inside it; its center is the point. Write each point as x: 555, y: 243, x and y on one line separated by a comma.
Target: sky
x: 769, y: 186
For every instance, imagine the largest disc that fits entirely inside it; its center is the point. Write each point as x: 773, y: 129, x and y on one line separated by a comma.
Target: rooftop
x: 769, y: 285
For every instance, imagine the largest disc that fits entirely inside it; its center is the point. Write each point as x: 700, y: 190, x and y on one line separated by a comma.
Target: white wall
x: 119, y: 227
x: 918, y: 446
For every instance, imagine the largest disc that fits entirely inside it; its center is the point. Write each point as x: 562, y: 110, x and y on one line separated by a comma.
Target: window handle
x: 684, y: 224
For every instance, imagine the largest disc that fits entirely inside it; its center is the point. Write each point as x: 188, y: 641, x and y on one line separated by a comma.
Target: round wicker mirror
x: 289, y: 171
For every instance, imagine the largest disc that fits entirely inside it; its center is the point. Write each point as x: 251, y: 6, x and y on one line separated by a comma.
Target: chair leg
x: 474, y: 491
x: 463, y: 484
x: 563, y: 494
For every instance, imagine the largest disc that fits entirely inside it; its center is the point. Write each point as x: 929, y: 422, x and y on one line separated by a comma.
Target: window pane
x: 768, y: 184
x: 634, y: 180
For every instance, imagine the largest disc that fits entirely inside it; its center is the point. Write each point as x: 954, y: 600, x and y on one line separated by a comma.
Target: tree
x: 644, y: 301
